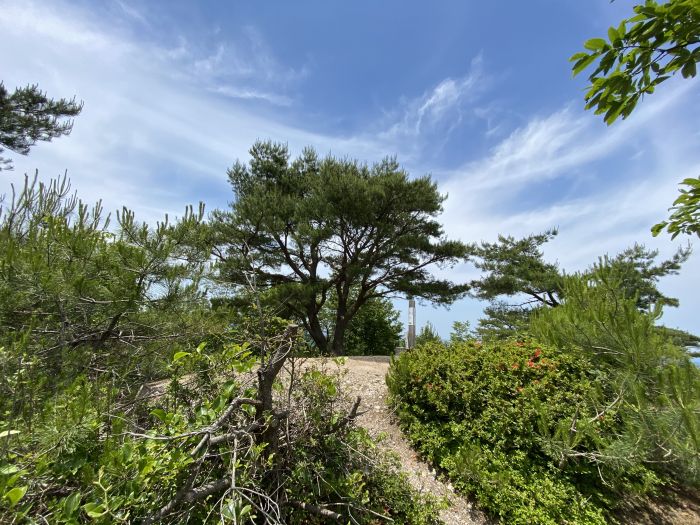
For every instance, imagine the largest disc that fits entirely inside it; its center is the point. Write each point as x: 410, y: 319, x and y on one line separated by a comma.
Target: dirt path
x: 364, y: 377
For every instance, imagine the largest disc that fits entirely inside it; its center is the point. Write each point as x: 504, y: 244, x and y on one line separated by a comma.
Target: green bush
x: 93, y: 456
x: 650, y: 384
x: 488, y: 415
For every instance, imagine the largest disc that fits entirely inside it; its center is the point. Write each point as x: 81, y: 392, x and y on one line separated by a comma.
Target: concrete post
x: 411, y: 338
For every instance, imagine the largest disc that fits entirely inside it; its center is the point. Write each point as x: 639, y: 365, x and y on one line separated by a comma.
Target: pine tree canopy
x: 307, y: 227
x: 28, y: 116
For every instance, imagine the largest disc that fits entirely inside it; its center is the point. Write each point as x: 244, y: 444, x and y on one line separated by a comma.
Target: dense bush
x: 560, y: 432
x: 91, y: 457
x: 482, y: 413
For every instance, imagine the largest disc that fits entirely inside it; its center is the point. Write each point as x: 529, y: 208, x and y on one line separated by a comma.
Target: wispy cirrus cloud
x: 602, y: 187
x: 568, y: 145
x: 156, y: 132
x: 438, y: 111
x: 557, y: 144
x: 246, y: 69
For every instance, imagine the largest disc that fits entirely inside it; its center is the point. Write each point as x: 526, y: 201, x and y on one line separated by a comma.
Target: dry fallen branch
x: 314, y: 509
x: 264, y: 429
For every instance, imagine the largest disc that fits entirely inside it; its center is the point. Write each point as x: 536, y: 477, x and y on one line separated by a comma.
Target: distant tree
x: 28, y: 116
x: 502, y: 320
x: 375, y: 329
x: 638, y: 274
x: 427, y: 334
x: 516, y: 268
x: 461, y: 332
x: 639, y: 54
x: 314, y: 226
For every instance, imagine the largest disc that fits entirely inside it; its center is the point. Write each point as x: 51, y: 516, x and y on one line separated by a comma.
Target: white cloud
x: 132, y: 12
x: 440, y: 109
x: 610, y: 215
x: 149, y: 134
x: 246, y: 69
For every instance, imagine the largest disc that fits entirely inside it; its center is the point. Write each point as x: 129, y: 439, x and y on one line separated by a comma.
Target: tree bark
x: 338, y: 343
x: 313, y: 326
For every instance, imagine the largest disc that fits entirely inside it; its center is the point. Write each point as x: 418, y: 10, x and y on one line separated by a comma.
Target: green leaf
x: 688, y: 70
x: 180, y: 355
x: 15, y: 495
x: 583, y: 63
x: 71, y: 504
x: 6, y: 433
x: 622, y: 29
x: 160, y: 414
x: 578, y: 56
x: 6, y: 470
x: 613, y: 35
x: 658, y: 228
x: 94, y: 510
x: 594, y: 44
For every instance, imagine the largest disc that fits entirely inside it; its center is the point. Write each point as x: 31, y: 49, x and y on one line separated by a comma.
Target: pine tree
x: 316, y: 227
x: 28, y: 116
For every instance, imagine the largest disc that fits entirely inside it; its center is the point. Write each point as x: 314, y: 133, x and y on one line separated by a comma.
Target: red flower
x: 530, y: 363
x: 538, y: 353
x: 515, y: 366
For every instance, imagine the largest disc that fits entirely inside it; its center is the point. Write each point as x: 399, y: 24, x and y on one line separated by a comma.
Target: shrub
x: 651, y: 385
x: 487, y: 414
x: 559, y: 432
x: 93, y: 455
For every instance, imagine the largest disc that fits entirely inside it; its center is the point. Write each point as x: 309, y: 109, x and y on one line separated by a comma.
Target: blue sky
x: 478, y: 94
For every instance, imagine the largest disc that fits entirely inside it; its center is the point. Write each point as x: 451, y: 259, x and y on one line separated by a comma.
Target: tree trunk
x: 338, y: 343
x: 313, y: 326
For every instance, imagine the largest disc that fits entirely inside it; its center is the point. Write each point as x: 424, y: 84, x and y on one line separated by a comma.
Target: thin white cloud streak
x: 146, y: 136
x: 564, y: 146
x: 435, y: 114
x: 549, y: 146
x: 245, y: 69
